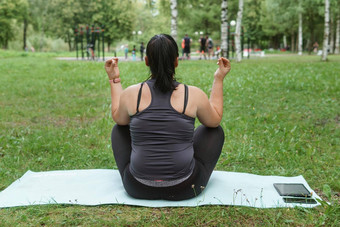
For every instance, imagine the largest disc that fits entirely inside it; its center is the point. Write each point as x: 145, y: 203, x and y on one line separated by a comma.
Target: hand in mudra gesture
x: 111, y: 67
x: 223, y: 68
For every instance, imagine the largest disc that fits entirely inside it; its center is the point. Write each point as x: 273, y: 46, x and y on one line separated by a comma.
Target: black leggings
x: 208, y: 143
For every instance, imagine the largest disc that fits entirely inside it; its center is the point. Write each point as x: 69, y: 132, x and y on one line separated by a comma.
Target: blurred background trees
x: 48, y: 25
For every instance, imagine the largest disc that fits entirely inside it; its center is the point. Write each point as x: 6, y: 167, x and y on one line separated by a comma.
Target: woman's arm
x: 210, y: 112
x: 118, y: 104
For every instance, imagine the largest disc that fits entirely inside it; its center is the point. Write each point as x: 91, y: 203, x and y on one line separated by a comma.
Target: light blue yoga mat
x: 103, y: 186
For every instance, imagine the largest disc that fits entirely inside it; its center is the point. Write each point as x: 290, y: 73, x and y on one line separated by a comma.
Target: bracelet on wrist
x: 115, y: 81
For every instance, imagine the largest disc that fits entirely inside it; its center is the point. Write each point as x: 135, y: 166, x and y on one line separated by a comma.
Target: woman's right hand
x: 111, y: 67
x: 223, y: 68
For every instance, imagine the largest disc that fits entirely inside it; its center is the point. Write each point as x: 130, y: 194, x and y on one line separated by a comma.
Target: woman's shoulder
x: 133, y: 87
x: 131, y: 90
x: 195, y: 94
x: 195, y: 90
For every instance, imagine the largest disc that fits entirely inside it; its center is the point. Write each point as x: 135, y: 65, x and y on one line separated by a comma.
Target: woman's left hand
x: 111, y: 67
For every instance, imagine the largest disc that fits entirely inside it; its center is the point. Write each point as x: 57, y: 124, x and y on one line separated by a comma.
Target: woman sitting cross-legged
x: 159, y: 153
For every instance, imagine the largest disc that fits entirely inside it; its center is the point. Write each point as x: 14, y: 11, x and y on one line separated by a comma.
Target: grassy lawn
x: 281, y: 117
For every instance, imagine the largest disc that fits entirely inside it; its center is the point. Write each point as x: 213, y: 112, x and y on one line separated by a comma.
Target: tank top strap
x: 185, y: 98
x: 139, y: 96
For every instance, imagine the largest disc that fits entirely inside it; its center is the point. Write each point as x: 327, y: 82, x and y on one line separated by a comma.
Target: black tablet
x: 292, y: 189
x: 306, y: 200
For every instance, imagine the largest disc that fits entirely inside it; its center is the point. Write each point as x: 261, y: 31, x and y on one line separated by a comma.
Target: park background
x: 49, y: 25
x: 281, y: 114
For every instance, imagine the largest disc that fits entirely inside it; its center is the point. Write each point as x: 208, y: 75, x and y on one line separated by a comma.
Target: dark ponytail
x: 162, y: 51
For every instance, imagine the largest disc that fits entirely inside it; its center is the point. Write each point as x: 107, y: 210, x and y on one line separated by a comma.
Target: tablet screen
x: 292, y: 189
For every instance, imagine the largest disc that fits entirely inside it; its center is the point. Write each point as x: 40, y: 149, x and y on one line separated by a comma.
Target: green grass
x: 281, y: 117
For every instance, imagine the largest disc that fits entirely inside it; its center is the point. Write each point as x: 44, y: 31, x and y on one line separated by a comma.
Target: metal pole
x: 228, y: 41
x: 81, y: 42
x: 242, y: 40
x: 103, y: 44
x: 98, y: 38
x: 93, y: 42
x: 76, y: 40
x: 232, y: 46
x: 87, y: 41
x: 248, y: 46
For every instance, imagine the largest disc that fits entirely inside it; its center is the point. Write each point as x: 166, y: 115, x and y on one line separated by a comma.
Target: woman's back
x: 161, y: 138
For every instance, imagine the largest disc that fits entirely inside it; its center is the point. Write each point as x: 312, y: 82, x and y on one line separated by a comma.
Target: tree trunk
x: 326, y: 32
x: 308, y: 45
x: 284, y: 41
x: 224, y: 28
x: 300, y: 34
x: 173, y: 6
x: 331, y: 42
x: 297, y: 42
x: 312, y: 36
x: 69, y: 42
x: 6, y: 41
x: 238, y: 31
x: 25, y: 34
x: 337, y: 40
x: 292, y: 42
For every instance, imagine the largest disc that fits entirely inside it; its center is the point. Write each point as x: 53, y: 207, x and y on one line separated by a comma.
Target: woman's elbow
x: 213, y: 123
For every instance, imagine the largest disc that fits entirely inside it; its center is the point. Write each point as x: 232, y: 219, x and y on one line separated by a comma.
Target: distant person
x: 126, y: 51
x: 210, y: 47
x: 134, y: 53
x: 183, y: 46
x: 158, y: 151
x: 315, y: 47
x: 142, y: 48
x: 187, y: 43
x: 203, y: 42
x: 218, y: 51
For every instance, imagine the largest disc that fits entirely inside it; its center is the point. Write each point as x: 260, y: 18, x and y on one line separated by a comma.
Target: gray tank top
x: 161, y: 139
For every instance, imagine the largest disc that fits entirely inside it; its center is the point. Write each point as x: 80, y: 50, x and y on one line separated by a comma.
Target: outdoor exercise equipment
x: 92, y: 35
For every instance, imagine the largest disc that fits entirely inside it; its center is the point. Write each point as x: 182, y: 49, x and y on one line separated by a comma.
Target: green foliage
x: 281, y: 117
x: 253, y: 12
x: 265, y: 22
x: 116, y: 17
x: 201, y: 16
x: 10, y: 10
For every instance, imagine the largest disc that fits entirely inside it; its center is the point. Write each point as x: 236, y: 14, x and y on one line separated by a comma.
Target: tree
x: 332, y: 33
x: 24, y: 18
x: 300, y: 32
x: 173, y: 5
x: 313, y: 17
x: 337, y: 40
x: 224, y: 28
x: 252, y: 21
x: 278, y: 18
x: 10, y: 10
x: 67, y: 14
x: 238, y: 31
x: 326, y: 32
x: 334, y: 23
x: 117, y: 19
